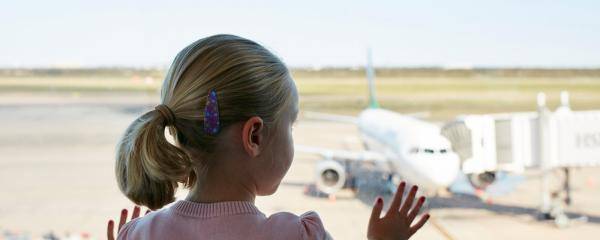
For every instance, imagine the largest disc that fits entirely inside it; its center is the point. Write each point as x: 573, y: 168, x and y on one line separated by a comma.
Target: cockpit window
x: 416, y: 150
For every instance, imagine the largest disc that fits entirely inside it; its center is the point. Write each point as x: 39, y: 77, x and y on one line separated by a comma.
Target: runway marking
x: 441, y: 229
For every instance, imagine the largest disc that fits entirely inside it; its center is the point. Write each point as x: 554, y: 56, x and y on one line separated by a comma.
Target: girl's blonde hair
x: 249, y: 81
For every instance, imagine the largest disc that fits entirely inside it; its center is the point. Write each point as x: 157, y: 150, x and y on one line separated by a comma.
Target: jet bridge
x: 515, y: 142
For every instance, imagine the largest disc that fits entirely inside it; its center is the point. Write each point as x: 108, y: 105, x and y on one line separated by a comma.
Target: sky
x: 459, y: 33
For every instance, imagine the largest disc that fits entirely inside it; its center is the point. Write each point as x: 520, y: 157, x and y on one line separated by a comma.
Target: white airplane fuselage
x: 416, y: 150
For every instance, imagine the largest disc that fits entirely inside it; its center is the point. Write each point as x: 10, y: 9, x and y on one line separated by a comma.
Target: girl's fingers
x: 136, y: 212
x: 110, y: 230
x: 122, y: 219
x: 376, y: 212
x: 409, y: 201
x: 419, y: 224
x: 397, y: 198
x: 147, y: 211
x: 413, y: 213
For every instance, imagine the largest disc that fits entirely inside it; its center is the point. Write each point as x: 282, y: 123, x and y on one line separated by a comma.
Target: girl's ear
x: 252, y: 135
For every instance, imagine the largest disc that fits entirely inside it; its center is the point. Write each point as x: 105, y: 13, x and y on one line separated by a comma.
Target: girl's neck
x: 211, y: 188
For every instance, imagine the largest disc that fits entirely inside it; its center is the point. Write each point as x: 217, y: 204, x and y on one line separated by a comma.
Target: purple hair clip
x: 211, y: 114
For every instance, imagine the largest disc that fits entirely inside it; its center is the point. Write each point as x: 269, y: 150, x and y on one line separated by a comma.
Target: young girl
x: 230, y: 105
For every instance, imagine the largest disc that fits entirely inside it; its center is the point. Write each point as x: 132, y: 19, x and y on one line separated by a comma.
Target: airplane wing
x: 335, y: 154
x: 350, y: 119
x: 420, y: 115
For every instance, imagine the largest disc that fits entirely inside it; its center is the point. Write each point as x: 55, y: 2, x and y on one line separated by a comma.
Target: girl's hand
x: 110, y: 229
x: 396, y: 224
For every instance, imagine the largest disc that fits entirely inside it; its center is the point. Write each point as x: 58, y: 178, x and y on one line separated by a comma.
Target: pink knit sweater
x: 222, y: 221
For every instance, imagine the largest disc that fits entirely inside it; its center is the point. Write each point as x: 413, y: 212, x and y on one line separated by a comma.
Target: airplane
x: 403, y: 145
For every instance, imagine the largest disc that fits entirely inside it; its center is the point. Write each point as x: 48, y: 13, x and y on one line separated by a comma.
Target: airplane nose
x: 446, y: 170
x: 431, y: 171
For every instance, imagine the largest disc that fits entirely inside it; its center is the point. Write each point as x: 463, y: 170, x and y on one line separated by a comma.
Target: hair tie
x: 167, y: 114
x: 211, y: 114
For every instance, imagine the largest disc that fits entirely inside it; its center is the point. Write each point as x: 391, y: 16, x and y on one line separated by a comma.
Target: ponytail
x: 148, y: 167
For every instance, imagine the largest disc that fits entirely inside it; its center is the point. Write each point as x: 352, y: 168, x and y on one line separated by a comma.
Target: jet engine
x: 482, y: 180
x: 331, y: 176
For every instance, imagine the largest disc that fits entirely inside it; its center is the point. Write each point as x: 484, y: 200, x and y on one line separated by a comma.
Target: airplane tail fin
x: 371, y: 80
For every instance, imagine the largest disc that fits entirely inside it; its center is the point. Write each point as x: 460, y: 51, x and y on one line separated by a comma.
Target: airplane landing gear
x: 390, y: 187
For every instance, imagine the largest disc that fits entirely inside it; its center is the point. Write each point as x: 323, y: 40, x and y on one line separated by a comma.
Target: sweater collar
x: 207, y: 210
